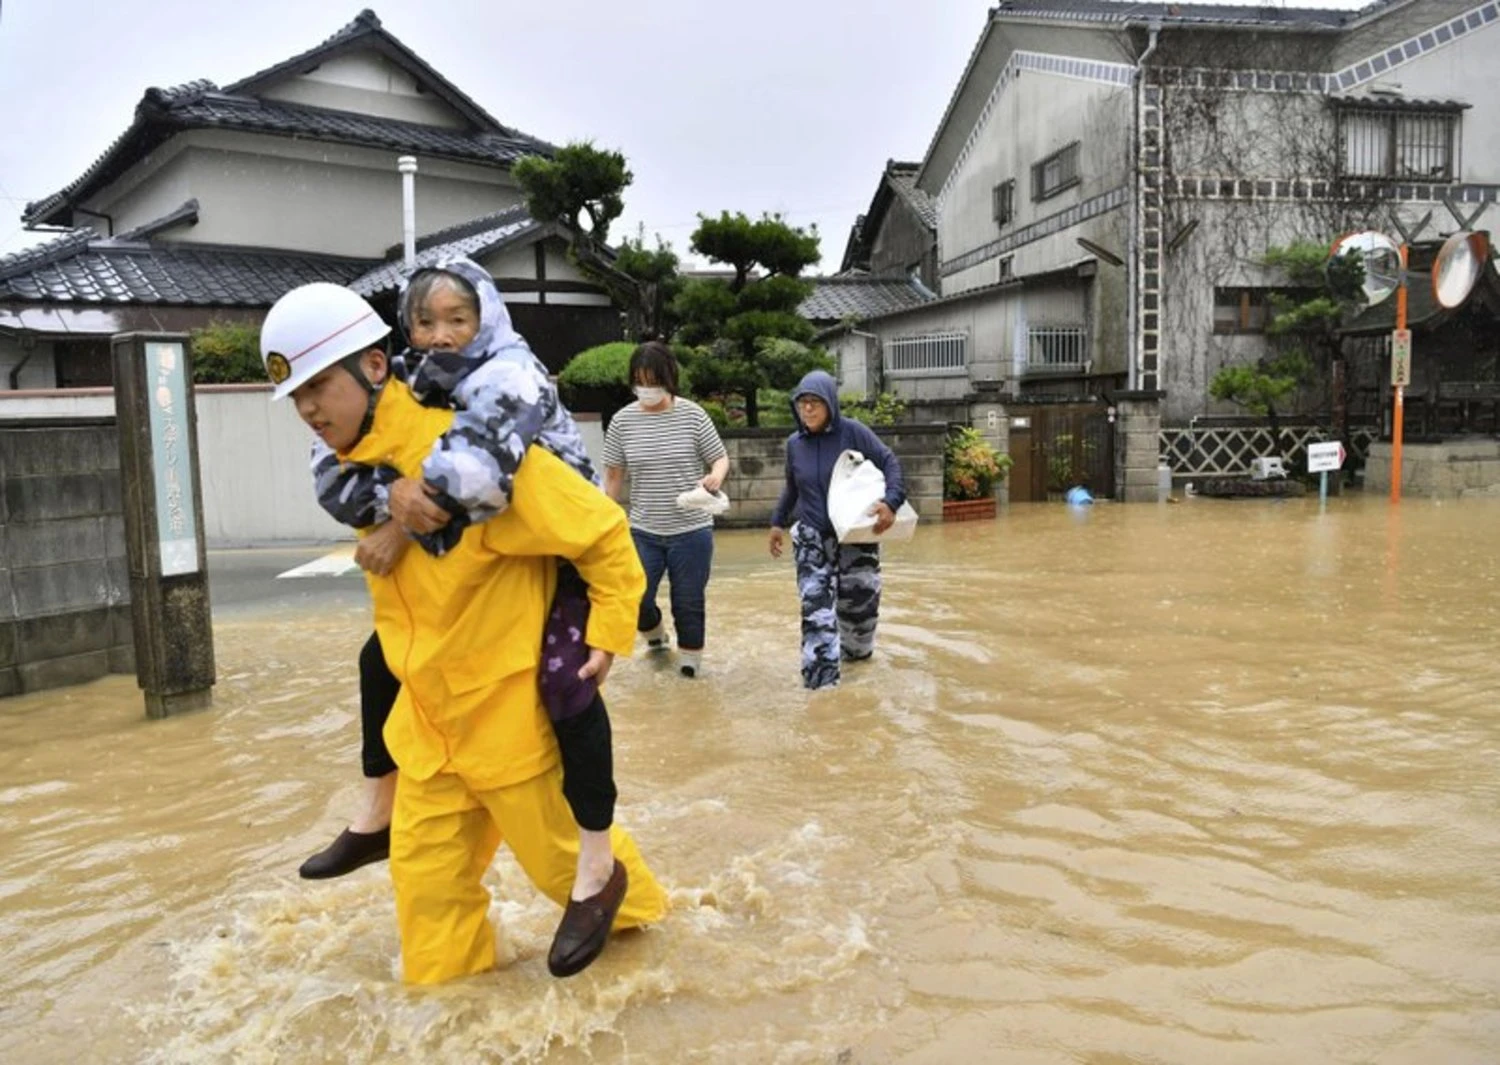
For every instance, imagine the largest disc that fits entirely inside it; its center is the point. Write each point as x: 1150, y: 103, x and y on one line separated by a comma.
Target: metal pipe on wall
x: 407, y: 164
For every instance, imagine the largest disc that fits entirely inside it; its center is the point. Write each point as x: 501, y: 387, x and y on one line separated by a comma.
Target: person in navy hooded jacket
x: 839, y: 583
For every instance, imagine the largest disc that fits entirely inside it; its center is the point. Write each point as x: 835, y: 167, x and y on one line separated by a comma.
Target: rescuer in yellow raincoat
x: 477, y: 756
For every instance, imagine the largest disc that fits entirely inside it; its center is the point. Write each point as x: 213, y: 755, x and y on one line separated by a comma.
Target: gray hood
x: 495, y: 329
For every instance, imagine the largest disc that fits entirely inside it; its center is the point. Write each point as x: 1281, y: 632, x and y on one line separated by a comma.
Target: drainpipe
x: 108, y: 221
x: 407, y: 164
x: 28, y: 345
x: 1133, y: 223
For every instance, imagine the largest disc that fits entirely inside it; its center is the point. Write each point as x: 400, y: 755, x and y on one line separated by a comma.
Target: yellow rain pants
x: 443, y: 838
x: 478, y: 758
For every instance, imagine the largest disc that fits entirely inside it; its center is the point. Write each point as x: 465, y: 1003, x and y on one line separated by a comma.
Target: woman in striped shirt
x: 665, y: 443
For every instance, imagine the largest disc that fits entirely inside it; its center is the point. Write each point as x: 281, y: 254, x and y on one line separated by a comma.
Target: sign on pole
x: 1400, y: 358
x: 163, y: 503
x: 1322, y: 457
x: 1325, y: 456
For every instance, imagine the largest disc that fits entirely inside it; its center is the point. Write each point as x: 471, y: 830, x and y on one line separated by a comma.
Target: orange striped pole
x: 1399, y: 413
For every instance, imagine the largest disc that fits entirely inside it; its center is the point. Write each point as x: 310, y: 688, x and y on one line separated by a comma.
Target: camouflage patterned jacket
x: 505, y: 401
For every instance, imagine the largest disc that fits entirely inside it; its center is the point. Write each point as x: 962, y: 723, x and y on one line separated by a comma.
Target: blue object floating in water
x: 1078, y: 496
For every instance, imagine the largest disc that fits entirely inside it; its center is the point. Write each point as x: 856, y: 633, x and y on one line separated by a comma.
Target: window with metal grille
x: 1410, y: 144
x: 1057, y: 347
x: 1055, y: 173
x: 1007, y: 268
x: 927, y: 353
x: 1005, y: 201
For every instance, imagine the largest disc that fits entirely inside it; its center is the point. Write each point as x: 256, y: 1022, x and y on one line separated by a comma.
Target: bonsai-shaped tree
x: 746, y: 327
x: 1302, y: 331
x: 582, y: 188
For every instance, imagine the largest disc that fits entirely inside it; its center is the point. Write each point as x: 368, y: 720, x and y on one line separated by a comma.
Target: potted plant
x: 971, y: 469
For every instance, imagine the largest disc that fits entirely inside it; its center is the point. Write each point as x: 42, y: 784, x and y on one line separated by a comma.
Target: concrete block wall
x: 1448, y: 470
x: 64, y: 579
x: 757, y: 471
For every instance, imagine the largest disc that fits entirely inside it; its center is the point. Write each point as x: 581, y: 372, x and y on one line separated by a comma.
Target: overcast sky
x: 777, y: 105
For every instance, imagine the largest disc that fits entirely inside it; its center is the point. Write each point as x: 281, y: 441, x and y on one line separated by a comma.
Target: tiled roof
x: 78, y: 268
x: 199, y: 105
x: 1398, y: 103
x: 1113, y: 11
x: 476, y: 238
x: 898, y: 181
x: 850, y: 295
x: 903, y: 177
x: 366, y: 32
x: 162, y: 113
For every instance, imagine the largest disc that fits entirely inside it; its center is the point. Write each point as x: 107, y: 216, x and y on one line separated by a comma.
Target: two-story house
x: 215, y: 201
x: 1108, y: 177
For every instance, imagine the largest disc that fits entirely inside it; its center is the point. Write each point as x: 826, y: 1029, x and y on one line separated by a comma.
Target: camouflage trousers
x: 840, y: 589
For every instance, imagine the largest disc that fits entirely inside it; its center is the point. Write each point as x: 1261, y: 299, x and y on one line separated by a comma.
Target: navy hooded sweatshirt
x: 810, y: 459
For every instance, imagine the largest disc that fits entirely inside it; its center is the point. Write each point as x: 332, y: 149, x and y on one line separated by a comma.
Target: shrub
x: 971, y: 466
x: 716, y: 412
x: 884, y: 409
x: 600, y: 367
x: 227, y: 353
x: 607, y: 368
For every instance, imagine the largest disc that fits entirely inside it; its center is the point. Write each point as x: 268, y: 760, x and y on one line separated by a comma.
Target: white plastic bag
x: 700, y: 498
x: 857, y: 485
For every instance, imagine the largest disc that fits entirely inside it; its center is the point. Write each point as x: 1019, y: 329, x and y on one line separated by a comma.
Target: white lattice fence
x: 1227, y: 450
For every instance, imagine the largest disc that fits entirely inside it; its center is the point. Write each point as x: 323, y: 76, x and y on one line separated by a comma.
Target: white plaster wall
x: 365, y: 83
x: 253, y: 457
x: 1036, y: 115
x: 577, y: 299
x: 988, y: 323
x: 513, y: 261
x: 38, y: 371
x: 852, y: 355
x: 559, y: 266
x: 279, y: 193
x: 520, y: 261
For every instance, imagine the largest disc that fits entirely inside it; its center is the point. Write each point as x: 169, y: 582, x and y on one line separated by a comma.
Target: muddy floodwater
x: 1213, y: 782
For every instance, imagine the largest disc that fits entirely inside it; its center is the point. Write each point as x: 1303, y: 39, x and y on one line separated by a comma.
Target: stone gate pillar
x: 1137, y: 445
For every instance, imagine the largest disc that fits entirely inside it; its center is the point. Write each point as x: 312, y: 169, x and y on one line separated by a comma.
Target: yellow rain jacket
x: 463, y: 633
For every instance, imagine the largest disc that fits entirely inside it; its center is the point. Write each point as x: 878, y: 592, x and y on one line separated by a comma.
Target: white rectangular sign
x: 1401, y: 358
x: 172, y: 458
x: 1321, y: 457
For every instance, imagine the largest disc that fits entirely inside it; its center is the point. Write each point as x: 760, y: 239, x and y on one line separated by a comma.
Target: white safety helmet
x: 311, y: 328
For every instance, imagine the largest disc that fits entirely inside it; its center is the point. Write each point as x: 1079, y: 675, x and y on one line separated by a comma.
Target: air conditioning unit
x: 1268, y: 468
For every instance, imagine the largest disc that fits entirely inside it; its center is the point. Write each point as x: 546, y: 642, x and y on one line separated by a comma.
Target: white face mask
x: 650, y: 396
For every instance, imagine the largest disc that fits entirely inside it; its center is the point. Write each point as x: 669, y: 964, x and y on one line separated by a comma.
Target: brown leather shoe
x: 347, y: 853
x: 584, y: 928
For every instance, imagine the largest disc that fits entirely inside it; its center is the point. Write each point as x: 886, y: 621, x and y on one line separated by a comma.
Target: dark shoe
x: 347, y: 853
x: 585, y: 927
x: 688, y: 671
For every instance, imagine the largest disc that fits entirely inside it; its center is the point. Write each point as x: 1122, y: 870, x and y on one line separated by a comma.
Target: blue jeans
x: 686, y: 558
